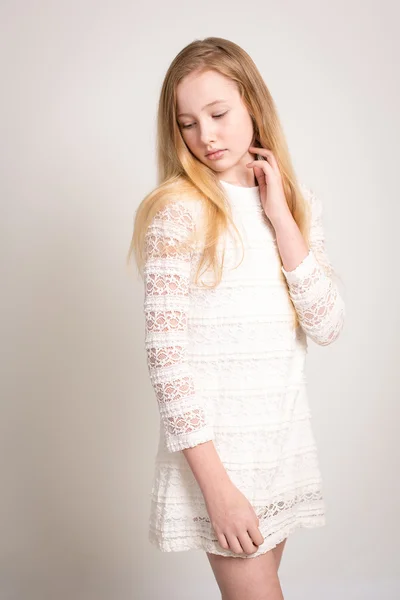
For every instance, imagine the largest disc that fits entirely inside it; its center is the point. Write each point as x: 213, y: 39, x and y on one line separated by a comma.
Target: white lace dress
x: 227, y: 365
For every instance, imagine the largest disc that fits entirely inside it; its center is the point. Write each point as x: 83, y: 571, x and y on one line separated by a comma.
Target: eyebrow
x: 210, y: 104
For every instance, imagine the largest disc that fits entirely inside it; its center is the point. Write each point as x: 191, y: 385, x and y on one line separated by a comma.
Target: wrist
x: 216, y: 484
x: 282, y: 219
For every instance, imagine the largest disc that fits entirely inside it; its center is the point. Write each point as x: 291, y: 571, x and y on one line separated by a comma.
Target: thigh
x: 249, y: 578
x: 278, y: 552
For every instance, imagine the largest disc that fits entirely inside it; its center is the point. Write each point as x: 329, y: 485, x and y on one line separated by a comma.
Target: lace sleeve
x: 166, y: 304
x: 314, y: 293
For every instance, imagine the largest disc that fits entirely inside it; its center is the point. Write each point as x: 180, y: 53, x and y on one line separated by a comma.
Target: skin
x: 202, y: 129
x: 227, y: 125
x: 255, y: 579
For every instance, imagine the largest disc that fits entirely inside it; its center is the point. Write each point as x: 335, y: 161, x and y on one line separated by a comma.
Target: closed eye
x: 214, y: 117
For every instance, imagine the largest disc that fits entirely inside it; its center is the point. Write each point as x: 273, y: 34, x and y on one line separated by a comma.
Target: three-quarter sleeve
x: 312, y: 289
x: 167, y: 273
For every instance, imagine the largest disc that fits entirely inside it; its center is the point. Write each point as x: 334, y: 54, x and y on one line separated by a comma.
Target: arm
x: 207, y: 469
x: 166, y: 305
x: 308, y: 272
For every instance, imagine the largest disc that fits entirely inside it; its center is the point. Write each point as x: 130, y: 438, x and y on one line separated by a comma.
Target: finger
x: 274, y: 162
x: 261, y: 176
x: 256, y: 535
x: 269, y: 155
x: 263, y: 151
x: 261, y: 164
x: 247, y: 543
x: 223, y: 542
x: 234, y: 544
x: 262, y: 171
x: 257, y: 150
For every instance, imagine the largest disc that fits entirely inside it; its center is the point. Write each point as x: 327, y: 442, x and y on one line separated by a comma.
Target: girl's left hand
x: 270, y: 183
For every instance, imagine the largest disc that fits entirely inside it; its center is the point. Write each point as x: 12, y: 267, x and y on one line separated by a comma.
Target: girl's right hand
x: 234, y: 520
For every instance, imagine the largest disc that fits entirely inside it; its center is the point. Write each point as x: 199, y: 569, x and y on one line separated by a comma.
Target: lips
x: 216, y: 154
x: 214, y: 151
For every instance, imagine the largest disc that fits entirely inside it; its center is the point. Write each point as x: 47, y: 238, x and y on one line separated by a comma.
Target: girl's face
x: 223, y: 125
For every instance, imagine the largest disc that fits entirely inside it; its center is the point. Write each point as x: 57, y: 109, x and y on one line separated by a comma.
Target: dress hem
x: 207, y: 545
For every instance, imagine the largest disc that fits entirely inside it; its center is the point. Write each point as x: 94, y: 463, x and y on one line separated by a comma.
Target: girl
x: 226, y: 331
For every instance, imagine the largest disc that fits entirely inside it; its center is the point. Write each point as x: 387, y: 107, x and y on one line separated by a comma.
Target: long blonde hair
x: 182, y: 175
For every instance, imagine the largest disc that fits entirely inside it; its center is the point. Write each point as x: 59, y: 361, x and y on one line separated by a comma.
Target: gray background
x: 79, y: 422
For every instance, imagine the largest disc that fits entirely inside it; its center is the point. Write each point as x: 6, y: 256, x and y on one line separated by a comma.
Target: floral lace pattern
x: 226, y: 365
x: 314, y: 293
x: 167, y: 284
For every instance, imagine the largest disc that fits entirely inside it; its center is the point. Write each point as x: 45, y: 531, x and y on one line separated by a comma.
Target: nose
x: 207, y: 133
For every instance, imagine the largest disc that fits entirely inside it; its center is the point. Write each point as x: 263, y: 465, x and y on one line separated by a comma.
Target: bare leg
x: 278, y: 552
x: 247, y: 578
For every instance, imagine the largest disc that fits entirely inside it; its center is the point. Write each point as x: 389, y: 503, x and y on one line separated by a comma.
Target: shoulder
x: 178, y: 205
x: 176, y: 213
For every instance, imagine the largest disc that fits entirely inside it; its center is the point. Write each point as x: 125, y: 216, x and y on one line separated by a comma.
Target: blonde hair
x: 181, y: 175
